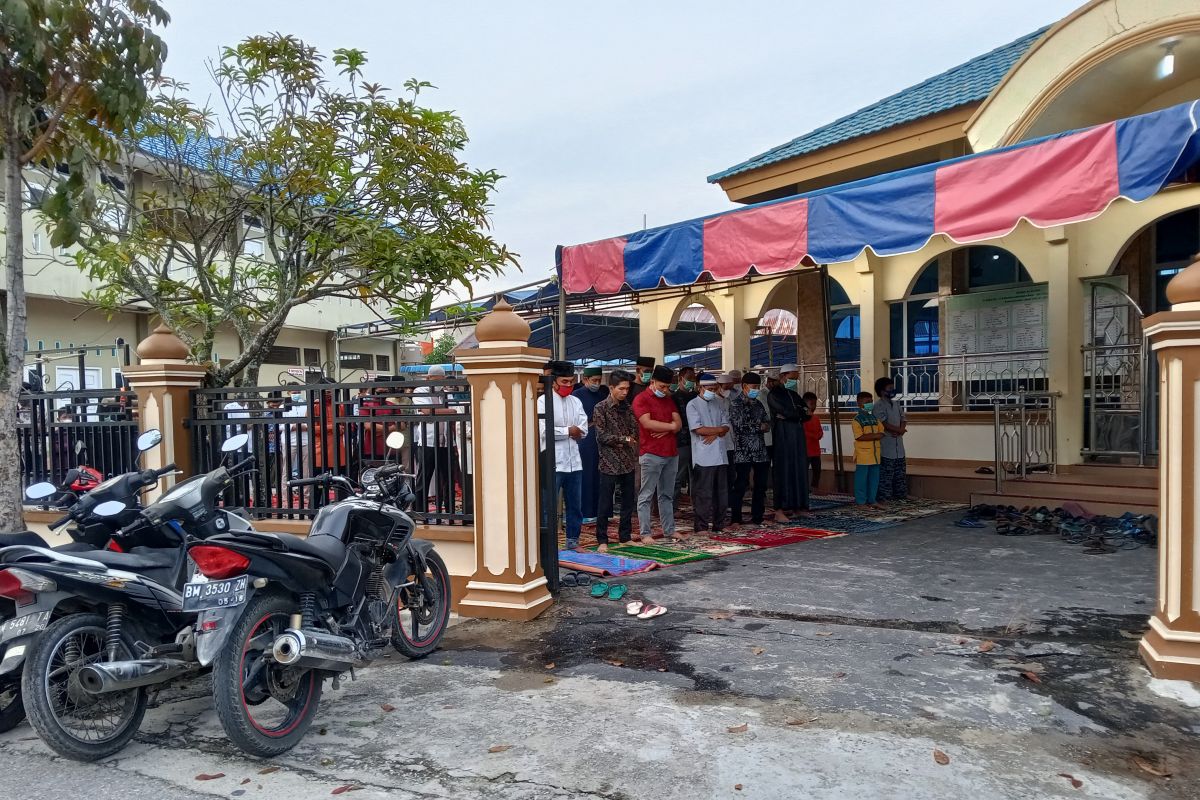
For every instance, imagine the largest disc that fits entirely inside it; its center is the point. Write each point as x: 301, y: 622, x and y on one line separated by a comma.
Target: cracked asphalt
x: 855, y: 665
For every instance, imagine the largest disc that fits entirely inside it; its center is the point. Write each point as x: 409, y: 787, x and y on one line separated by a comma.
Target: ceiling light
x: 1166, y: 65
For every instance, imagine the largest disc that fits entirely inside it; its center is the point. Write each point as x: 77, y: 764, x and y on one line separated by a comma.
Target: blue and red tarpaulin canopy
x: 1068, y: 177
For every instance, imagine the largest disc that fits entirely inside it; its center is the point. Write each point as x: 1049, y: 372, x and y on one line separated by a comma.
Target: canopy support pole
x: 562, y: 323
x: 835, y: 422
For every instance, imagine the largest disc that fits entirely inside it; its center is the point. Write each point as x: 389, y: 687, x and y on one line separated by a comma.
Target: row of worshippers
x: 649, y: 433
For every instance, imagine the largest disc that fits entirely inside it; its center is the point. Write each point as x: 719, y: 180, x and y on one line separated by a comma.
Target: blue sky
x: 601, y: 113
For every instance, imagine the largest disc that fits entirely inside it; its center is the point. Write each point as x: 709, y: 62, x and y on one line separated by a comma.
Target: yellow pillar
x: 162, y: 381
x: 1064, y: 340
x: 650, y: 333
x: 868, y: 294
x: 508, y: 581
x: 736, y: 330
x: 1171, y: 647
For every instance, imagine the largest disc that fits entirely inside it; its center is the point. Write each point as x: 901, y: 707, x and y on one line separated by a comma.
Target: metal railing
x: 968, y: 381
x: 57, y: 431
x: 301, y: 431
x: 1026, y: 436
x: 847, y: 379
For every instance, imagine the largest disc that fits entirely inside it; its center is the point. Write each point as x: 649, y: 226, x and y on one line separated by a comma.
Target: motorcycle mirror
x: 40, y: 491
x: 234, y: 443
x: 149, y: 440
x: 395, y: 440
x: 109, y: 508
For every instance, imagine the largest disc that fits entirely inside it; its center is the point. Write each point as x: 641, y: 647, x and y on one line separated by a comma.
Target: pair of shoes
x: 970, y: 522
x: 576, y: 579
x: 643, y: 609
x: 614, y: 592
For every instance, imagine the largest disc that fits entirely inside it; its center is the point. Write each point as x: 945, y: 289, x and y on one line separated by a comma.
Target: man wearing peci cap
x: 708, y: 421
x: 751, y: 422
x: 658, y: 423
x: 642, y: 373
x: 685, y: 392
x: 590, y: 392
x: 788, y: 412
x: 570, y: 427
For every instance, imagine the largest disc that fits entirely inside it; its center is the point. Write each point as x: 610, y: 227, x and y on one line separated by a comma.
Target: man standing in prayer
x: 685, y: 392
x: 750, y: 422
x: 590, y: 392
x: 570, y: 427
x: 616, y: 432
x: 893, y: 468
x: 641, y: 376
x: 708, y: 423
x: 658, y: 419
x: 812, y: 439
x: 727, y: 386
x: 789, y: 413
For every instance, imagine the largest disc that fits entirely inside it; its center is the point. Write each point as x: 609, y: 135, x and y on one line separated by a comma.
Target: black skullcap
x: 663, y: 374
x: 562, y: 369
x: 645, y: 361
x: 752, y: 379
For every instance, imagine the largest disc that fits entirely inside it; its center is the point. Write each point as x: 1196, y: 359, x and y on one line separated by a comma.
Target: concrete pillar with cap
x: 508, y: 581
x: 1171, y: 647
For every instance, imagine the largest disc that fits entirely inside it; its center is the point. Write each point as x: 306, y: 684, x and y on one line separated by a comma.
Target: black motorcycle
x: 97, y: 628
x: 89, y: 531
x: 280, y: 613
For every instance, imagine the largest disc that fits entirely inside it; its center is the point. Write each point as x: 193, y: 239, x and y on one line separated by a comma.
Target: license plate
x: 214, y: 594
x: 23, y: 626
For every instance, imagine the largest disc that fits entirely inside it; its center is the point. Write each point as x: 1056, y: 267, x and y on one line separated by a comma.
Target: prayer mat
x: 712, y: 546
x: 776, y: 537
x: 653, y: 552
x: 823, y: 503
x: 604, y: 564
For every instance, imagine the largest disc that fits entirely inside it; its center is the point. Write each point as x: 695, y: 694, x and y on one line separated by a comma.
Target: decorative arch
x: 696, y: 299
x: 1064, y: 66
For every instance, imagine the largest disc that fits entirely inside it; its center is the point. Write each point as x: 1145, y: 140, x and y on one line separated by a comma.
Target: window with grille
x: 288, y: 356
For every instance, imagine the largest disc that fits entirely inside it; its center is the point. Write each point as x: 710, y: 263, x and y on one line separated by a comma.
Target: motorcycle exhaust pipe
x: 118, y: 676
x: 311, y: 649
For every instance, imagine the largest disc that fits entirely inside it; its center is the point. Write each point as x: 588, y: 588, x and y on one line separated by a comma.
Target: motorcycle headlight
x: 187, y: 496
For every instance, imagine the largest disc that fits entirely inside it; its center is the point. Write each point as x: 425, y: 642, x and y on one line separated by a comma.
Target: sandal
x: 599, y: 589
x: 634, y: 607
x: 617, y: 591
x: 651, y: 610
x: 970, y: 522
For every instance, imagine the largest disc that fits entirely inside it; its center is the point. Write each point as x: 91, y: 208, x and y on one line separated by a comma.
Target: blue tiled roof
x: 966, y: 83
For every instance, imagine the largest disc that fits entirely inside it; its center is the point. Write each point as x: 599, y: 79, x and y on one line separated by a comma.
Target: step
x: 1113, y: 509
x: 1080, y: 492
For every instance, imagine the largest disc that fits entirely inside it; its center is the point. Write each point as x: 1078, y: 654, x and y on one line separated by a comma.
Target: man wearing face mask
x: 642, y: 373
x: 789, y: 412
x: 750, y: 422
x: 590, y: 392
x: 658, y: 423
x: 295, y: 436
x: 570, y: 427
x: 685, y: 392
x: 893, y: 468
x: 708, y: 422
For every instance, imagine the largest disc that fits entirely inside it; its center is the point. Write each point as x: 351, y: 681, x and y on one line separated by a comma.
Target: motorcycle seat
x: 321, y: 546
x: 28, y: 538
x: 139, y: 559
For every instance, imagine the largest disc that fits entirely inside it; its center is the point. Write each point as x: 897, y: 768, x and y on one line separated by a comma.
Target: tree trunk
x: 11, y: 483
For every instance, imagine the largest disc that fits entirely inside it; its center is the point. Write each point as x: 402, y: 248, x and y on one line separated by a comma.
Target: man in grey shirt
x: 893, y: 469
x: 708, y: 421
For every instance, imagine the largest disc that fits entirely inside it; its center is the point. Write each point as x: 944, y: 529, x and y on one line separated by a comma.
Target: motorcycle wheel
x: 419, y: 630
x: 72, y: 722
x: 264, y: 707
x: 12, y: 707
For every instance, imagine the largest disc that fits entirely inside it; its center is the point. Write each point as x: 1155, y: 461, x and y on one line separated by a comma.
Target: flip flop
x: 970, y: 522
x: 652, y: 610
x: 599, y: 589
x: 617, y: 591
x: 569, y: 579
x: 634, y: 607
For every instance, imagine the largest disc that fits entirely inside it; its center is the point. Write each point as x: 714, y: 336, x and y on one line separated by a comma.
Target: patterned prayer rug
x: 604, y: 564
x: 775, y: 537
x: 653, y: 552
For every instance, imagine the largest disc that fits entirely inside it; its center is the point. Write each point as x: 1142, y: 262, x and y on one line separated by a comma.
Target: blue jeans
x: 866, y: 483
x: 569, y: 486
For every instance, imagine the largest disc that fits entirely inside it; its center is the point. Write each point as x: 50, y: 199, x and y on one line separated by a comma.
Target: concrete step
x: 1110, y: 507
x: 1080, y: 492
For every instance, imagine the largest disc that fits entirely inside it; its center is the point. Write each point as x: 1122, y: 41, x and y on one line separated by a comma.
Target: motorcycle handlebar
x: 58, y: 523
x: 245, y: 462
x: 305, y: 482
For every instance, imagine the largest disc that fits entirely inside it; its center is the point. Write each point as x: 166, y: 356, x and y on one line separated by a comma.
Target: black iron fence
x: 547, y: 495
x: 342, y: 428
x: 60, y: 431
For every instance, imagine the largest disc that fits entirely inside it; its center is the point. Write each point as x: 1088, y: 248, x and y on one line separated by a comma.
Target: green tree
x: 442, y: 348
x: 72, y: 74
x: 347, y: 192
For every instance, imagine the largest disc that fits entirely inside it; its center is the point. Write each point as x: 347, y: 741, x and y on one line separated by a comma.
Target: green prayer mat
x: 662, y: 555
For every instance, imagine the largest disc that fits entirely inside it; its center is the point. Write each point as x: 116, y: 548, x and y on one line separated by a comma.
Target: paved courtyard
x: 923, y: 661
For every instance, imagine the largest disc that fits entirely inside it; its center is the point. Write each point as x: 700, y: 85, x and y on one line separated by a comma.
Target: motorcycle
x: 78, y: 613
x: 89, y: 532
x: 280, y: 613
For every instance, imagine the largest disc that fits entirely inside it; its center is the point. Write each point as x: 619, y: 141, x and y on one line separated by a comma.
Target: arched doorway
x: 694, y: 338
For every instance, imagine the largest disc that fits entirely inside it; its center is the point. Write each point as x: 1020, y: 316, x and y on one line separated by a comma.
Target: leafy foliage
x: 442, y: 349
x: 343, y: 192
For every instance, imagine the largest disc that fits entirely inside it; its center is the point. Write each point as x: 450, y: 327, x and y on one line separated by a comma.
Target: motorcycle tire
x: 433, y: 617
x: 12, y: 707
x: 45, y: 705
x: 260, y: 737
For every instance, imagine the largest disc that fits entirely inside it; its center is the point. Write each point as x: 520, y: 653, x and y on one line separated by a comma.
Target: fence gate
x: 548, y: 497
x: 1026, y: 436
x: 1120, y: 385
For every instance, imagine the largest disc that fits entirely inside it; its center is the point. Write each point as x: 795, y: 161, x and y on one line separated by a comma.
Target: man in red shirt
x: 658, y: 423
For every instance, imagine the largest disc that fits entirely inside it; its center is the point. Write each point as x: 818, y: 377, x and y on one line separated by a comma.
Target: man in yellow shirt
x: 868, y: 433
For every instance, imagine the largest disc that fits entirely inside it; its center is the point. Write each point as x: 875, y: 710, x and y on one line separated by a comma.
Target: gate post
x: 1171, y: 647
x: 508, y: 581
x: 162, y: 381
